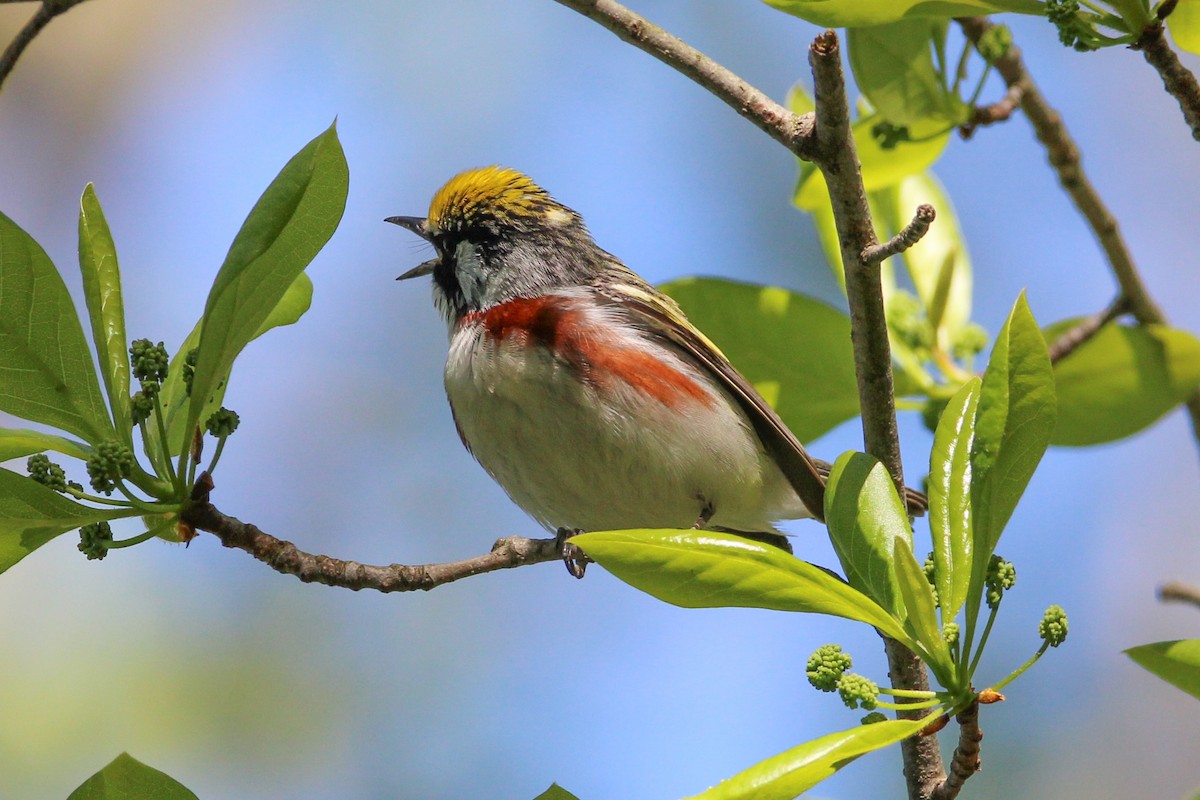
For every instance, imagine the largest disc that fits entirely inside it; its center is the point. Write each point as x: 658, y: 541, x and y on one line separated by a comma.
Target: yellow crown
x: 494, y: 191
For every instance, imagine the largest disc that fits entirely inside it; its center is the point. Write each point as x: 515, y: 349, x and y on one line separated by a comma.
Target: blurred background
x: 240, y: 682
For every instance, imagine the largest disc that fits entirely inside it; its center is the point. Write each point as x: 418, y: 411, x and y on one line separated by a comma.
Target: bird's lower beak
x: 419, y: 270
x: 417, y: 226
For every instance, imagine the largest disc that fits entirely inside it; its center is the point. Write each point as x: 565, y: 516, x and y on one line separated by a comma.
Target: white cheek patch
x: 470, y: 271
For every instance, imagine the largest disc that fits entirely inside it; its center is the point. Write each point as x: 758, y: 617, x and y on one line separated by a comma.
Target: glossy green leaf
x: 894, y: 68
x: 17, y: 443
x: 790, y: 773
x: 950, y: 498
x: 102, y: 292
x: 939, y: 264
x: 288, y: 226
x: 795, y: 350
x: 1015, y: 419
x: 126, y: 778
x: 1177, y: 663
x: 865, y: 516
x: 31, y: 515
x: 1184, y: 25
x: 880, y: 168
x: 921, y: 616
x: 46, y: 370
x: 1121, y: 381
x: 556, y: 792
x: 857, y: 13
x: 701, y: 569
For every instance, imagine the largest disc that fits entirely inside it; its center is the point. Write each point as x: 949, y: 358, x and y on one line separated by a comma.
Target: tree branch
x: 285, y: 557
x: 992, y: 113
x: 1064, y: 158
x: 966, y: 756
x: 49, y: 10
x: 837, y: 157
x: 1177, y: 592
x: 1179, y: 82
x: 1088, y: 327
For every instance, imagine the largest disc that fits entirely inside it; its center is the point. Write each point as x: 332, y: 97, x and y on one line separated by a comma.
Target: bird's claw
x: 573, y: 557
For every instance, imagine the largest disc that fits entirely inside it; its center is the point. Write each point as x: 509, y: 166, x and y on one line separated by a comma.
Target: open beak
x: 417, y: 226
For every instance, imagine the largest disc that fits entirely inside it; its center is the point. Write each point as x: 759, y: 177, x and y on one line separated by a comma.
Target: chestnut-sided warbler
x: 584, y: 391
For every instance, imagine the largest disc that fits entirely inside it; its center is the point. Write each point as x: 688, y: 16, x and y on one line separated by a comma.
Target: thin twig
x: 966, y: 756
x: 1179, y: 82
x: 791, y: 130
x: 285, y: 557
x: 1177, y: 592
x: 1071, y: 339
x: 909, y: 235
x: 48, y: 11
x: 1064, y: 158
x: 992, y: 113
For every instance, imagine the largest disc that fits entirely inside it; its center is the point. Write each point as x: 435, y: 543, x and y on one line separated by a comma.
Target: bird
x: 584, y: 391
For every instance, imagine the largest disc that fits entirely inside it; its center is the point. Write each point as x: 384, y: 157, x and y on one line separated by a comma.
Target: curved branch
x: 1070, y: 340
x: 909, y: 235
x: 285, y: 557
x: 966, y: 756
x: 49, y: 10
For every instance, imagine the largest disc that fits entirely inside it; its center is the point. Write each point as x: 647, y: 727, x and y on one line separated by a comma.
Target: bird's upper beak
x: 417, y: 226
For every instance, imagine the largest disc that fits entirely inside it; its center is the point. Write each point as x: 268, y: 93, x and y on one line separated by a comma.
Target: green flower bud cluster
x: 874, y: 717
x: 46, y: 472
x: 969, y: 340
x: 1053, y: 627
x: 950, y: 633
x: 149, y: 362
x: 1001, y: 576
x: 858, y: 691
x: 994, y: 43
x: 223, y: 422
x: 826, y: 666
x: 1073, y: 30
x: 930, y: 570
x: 189, y: 368
x: 906, y: 317
x: 110, y: 462
x: 94, y: 539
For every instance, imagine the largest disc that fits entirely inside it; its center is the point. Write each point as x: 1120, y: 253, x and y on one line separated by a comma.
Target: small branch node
x: 909, y: 235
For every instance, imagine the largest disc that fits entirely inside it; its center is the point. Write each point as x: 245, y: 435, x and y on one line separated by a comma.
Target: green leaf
x: 865, y: 516
x: 1184, y: 25
x: 16, y: 443
x: 1177, y: 663
x: 894, y: 68
x: 921, y: 617
x: 880, y: 168
x: 790, y: 773
x: 950, y: 498
x: 126, y: 778
x: 1121, y: 381
x: 46, y: 371
x: 288, y: 226
x: 813, y: 387
x: 556, y: 792
x: 102, y: 292
x: 938, y: 264
x: 701, y: 569
x: 857, y: 13
x: 31, y: 515
x: 1017, y: 409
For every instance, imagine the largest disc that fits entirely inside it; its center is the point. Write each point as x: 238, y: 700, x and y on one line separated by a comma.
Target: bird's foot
x: 706, y: 513
x: 575, y: 559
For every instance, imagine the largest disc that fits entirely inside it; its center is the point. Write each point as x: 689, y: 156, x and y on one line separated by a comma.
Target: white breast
x: 595, y: 452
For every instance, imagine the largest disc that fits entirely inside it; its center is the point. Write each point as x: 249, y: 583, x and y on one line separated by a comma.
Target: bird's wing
x: 662, y: 316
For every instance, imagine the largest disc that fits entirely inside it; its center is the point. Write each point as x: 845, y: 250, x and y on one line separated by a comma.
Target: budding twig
x: 909, y: 235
